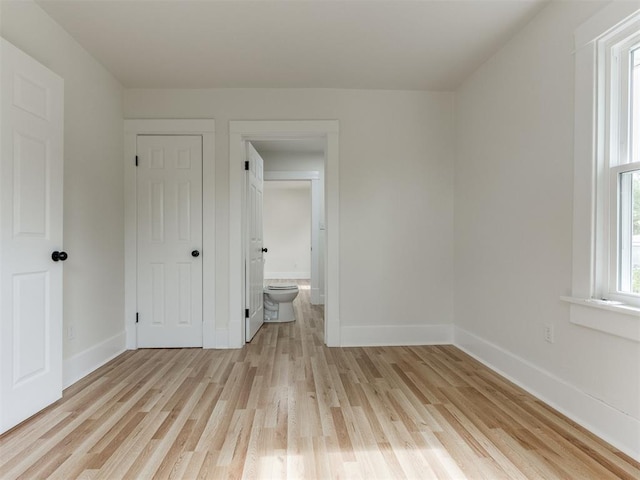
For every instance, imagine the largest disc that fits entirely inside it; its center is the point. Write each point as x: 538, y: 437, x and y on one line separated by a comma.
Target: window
x: 628, y: 227
x: 606, y: 181
x: 618, y: 184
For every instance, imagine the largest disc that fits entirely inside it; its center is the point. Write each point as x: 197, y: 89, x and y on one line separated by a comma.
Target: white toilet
x: 278, y: 302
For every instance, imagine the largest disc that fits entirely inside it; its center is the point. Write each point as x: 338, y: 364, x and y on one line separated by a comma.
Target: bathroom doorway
x: 287, y: 134
x: 292, y: 221
x: 295, y: 169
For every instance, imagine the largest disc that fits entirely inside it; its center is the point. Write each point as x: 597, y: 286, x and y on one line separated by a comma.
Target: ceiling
x: 367, y: 44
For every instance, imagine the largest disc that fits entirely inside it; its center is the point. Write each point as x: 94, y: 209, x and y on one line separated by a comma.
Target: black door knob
x: 59, y: 256
x: 195, y: 253
x: 265, y: 250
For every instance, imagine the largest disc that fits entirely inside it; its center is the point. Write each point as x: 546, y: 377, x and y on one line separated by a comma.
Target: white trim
x: 396, y: 335
x: 287, y: 275
x: 317, y: 297
x: 613, y: 426
x: 317, y: 246
x: 83, y: 363
x: 206, y: 128
x: 241, y: 131
x: 613, y: 158
x: 584, y: 201
x: 166, y: 126
x: 609, y: 305
x: 605, y: 316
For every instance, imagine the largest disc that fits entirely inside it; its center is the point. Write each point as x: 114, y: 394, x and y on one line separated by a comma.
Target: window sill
x: 614, y: 318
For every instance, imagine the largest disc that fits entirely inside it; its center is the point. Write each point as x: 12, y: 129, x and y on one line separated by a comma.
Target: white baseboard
x: 316, y: 297
x: 396, y: 335
x: 613, y: 426
x: 287, y: 275
x: 83, y: 363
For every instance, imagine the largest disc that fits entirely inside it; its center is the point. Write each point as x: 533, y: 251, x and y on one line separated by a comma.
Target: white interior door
x: 169, y: 286
x: 30, y: 230
x: 254, y: 256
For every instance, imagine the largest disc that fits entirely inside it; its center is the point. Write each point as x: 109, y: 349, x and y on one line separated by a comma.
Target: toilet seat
x: 281, y: 287
x: 278, y: 302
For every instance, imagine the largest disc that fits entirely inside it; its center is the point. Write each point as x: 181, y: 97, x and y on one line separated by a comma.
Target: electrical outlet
x: 70, y: 332
x: 549, y: 335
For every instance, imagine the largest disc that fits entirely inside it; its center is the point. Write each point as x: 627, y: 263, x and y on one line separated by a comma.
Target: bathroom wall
x: 280, y: 161
x: 287, y: 229
x: 93, y: 186
x: 396, y: 198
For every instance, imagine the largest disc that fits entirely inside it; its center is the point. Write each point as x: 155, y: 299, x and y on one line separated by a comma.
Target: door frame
x: 313, y: 177
x: 240, y: 132
x: 205, y: 128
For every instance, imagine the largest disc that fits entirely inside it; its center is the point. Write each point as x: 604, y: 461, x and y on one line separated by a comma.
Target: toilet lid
x: 281, y: 286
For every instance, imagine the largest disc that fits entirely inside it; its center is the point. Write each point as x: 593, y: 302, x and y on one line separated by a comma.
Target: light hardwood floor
x: 285, y: 406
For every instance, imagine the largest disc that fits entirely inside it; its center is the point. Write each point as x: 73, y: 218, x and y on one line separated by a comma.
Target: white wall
x: 513, y: 177
x: 282, y: 161
x: 513, y: 237
x: 396, y: 200
x: 287, y: 229
x: 93, y: 181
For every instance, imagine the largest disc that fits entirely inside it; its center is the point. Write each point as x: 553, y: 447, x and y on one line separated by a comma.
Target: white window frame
x: 613, y: 110
x: 595, y: 204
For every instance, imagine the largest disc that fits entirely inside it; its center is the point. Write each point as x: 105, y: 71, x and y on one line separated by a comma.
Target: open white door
x: 31, y: 178
x: 169, y: 187
x: 254, y: 263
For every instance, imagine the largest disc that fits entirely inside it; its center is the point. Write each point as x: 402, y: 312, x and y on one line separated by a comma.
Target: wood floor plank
x: 287, y: 407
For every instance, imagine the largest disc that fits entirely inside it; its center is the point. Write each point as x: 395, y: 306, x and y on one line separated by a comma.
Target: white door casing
x: 169, y: 234
x: 241, y: 131
x: 213, y: 335
x: 254, y: 268
x: 31, y: 178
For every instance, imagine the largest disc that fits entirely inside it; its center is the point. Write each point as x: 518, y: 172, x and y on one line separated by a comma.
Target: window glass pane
x: 629, y: 232
x: 635, y: 105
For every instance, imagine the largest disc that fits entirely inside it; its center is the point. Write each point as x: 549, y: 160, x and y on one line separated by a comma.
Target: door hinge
x: 136, y: 160
x: 137, y: 317
x: 246, y: 165
x: 246, y: 313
